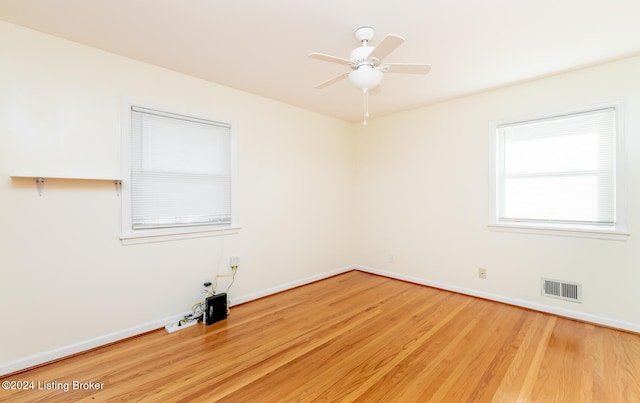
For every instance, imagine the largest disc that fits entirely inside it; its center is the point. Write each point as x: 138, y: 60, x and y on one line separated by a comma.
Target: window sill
x: 570, y: 231
x: 158, y: 236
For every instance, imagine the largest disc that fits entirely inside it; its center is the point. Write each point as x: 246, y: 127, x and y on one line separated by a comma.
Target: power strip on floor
x: 174, y: 327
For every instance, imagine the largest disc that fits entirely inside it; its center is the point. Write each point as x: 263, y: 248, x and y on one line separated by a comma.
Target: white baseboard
x: 567, y: 313
x: 288, y: 286
x: 52, y: 355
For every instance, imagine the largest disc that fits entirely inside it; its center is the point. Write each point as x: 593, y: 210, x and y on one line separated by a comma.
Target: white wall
x: 315, y: 194
x: 422, y: 191
x: 65, y: 279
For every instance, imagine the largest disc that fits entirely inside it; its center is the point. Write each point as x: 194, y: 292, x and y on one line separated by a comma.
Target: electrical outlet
x: 482, y: 273
x: 233, y: 261
x: 392, y: 258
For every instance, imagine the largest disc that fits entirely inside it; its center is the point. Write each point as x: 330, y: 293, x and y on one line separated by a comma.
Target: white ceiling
x: 261, y: 46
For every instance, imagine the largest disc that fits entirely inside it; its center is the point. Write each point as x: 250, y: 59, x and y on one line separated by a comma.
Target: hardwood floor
x: 358, y: 337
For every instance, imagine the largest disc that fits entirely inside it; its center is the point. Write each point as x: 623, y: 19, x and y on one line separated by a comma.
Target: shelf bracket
x: 118, y: 187
x: 40, y: 185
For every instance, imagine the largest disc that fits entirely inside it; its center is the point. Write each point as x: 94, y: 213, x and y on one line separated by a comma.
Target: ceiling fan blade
x: 329, y: 58
x: 333, y: 80
x: 406, y: 68
x: 388, y: 45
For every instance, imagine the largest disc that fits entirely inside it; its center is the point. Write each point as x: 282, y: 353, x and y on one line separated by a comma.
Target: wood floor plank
x: 328, y: 361
x: 524, y: 347
x: 358, y: 337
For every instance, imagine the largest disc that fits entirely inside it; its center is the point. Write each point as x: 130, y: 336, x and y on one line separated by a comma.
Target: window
x: 559, y: 173
x: 179, y: 175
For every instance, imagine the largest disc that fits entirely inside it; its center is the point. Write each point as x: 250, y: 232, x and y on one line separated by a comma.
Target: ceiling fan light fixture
x: 365, y: 77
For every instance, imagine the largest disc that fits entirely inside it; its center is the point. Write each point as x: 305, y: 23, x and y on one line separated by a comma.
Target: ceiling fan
x: 366, y: 63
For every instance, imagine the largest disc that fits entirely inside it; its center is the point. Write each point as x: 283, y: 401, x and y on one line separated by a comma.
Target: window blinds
x: 181, y: 170
x: 559, y: 169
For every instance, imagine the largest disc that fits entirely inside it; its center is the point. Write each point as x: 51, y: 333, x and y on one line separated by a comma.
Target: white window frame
x: 617, y: 231
x: 130, y: 236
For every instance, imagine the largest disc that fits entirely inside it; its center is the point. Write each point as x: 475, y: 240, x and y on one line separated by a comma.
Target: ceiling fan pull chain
x: 365, y: 93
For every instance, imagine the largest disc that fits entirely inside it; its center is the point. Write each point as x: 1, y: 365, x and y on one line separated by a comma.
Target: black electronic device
x: 216, y: 308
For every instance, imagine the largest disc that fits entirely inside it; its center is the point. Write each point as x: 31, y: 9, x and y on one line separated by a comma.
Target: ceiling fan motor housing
x: 360, y: 55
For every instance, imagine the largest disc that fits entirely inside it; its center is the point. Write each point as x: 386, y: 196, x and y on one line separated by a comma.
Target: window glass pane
x: 569, y: 199
x: 575, y: 152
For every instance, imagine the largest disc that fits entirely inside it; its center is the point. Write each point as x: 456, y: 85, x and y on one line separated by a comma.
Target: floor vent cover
x: 562, y: 289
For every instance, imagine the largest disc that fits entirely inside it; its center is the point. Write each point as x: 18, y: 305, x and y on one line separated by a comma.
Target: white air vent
x: 562, y: 289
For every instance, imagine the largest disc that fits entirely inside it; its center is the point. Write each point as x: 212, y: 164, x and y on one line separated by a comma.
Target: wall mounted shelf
x: 41, y: 178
